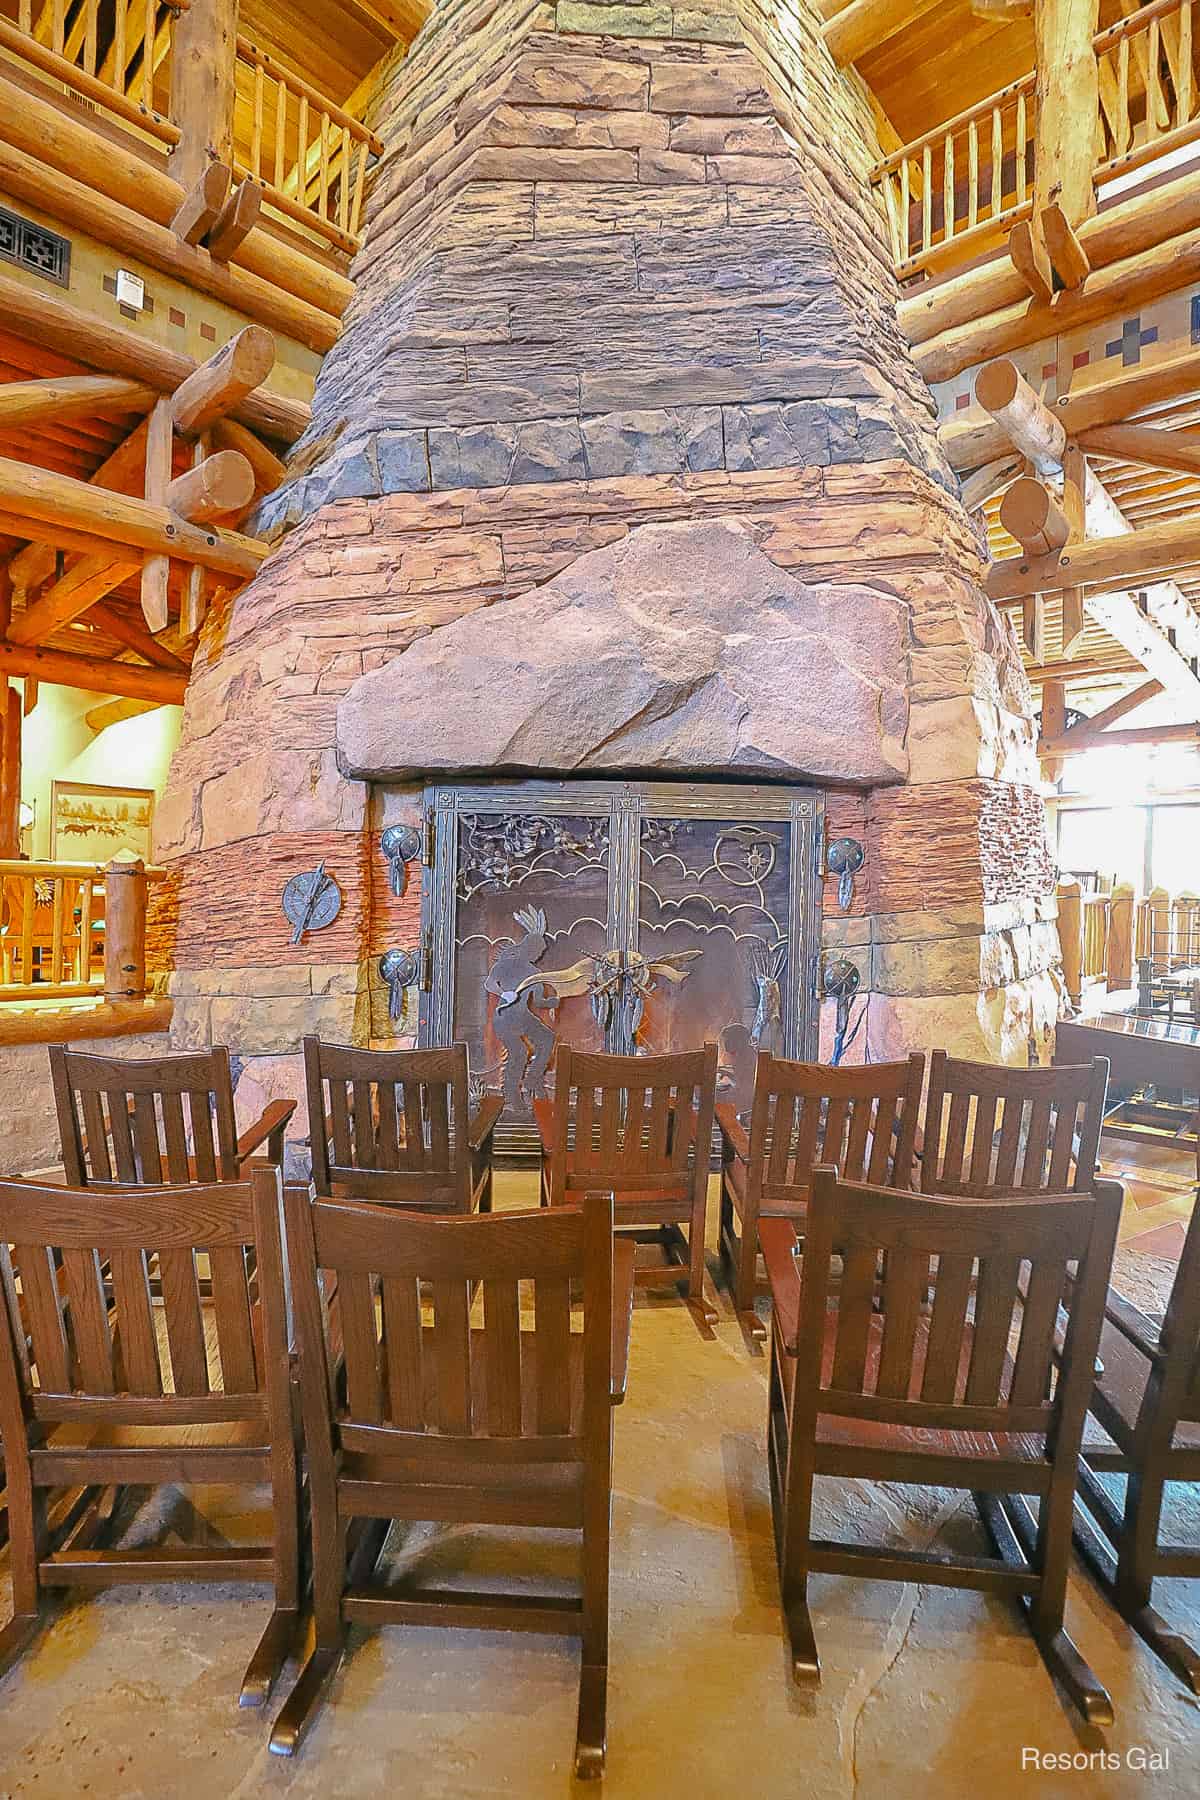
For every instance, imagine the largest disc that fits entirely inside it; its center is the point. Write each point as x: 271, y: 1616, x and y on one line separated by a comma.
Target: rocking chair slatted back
x: 164, y: 1122
x: 993, y: 1131
x: 390, y: 1125
x: 947, y: 1366
x: 636, y: 1124
x: 83, y: 1268
x: 863, y: 1121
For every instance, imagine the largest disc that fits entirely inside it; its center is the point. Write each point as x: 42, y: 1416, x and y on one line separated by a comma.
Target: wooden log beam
x: 980, y: 486
x: 1145, y: 221
x: 156, y: 570
x: 1090, y: 731
x: 1024, y: 418
x: 71, y: 397
x: 269, y: 471
x: 220, y: 484
x: 27, y: 178
x: 45, y: 318
x: 114, y: 712
x: 61, y: 505
x: 1150, y: 444
x: 201, y: 207
x: 118, y: 173
x: 236, y: 220
x: 1137, y: 737
x: 1101, y: 562
x: 1031, y: 514
x: 10, y: 770
x: 203, y: 88
x: 1130, y: 394
x: 93, y: 675
x: 864, y: 24
x: 116, y: 623
x: 216, y: 387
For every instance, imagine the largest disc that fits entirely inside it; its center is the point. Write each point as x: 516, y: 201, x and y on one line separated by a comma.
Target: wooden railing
x: 309, y: 155
x: 1096, y: 934
x: 1168, y: 930
x: 1149, y: 85
x: 967, y: 181
x: 112, y: 56
x: 69, y: 930
x: 958, y: 190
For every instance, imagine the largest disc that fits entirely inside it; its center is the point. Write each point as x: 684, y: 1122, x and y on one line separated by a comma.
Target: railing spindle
x: 58, y: 26
x: 1158, y: 117
x: 89, y: 36
x: 302, y: 153
x: 972, y: 174
x: 947, y: 187
x: 926, y: 198
x: 120, y: 61
x: 151, y: 10
x: 323, y: 168
x: 1022, y: 174
x: 281, y: 100
x: 85, y: 930
x: 25, y: 16
x: 1186, y: 88
x: 360, y: 177
x: 344, y: 180
x: 256, y: 132
x: 905, y: 208
x: 997, y: 161
x: 58, y: 908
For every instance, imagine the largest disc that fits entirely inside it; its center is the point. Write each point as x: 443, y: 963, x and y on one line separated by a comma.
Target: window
x: 1109, y: 841
x: 1175, y: 851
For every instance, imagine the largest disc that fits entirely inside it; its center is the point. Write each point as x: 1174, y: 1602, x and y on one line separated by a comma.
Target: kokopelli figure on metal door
x: 528, y: 1041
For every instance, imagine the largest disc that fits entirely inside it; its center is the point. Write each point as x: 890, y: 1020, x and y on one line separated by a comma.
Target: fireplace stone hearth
x: 620, y: 467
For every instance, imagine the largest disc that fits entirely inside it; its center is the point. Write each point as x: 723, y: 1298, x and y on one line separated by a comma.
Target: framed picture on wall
x: 92, y: 824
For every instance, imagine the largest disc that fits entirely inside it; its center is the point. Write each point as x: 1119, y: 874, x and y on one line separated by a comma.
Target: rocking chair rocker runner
x: 88, y: 1362
x: 641, y: 1127
x: 495, y: 1425
x: 125, y: 1123
x: 1145, y: 1424
x: 397, y: 1127
x: 878, y: 1388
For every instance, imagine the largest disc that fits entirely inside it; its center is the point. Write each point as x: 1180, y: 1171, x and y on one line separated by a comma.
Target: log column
x: 1068, y: 104
x: 10, y: 771
x: 125, y: 930
x: 202, y: 87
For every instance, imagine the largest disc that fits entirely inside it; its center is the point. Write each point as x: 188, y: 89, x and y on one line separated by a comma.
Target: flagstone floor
x: 927, y: 1692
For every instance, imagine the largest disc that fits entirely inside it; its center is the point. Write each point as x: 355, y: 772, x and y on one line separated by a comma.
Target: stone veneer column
x: 621, y: 265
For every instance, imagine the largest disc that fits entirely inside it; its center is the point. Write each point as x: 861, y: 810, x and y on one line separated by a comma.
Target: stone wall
x: 621, y: 268
x: 28, y: 1123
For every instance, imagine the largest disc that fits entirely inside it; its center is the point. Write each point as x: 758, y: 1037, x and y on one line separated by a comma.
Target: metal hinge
x: 819, y: 864
x: 428, y: 837
x: 425, y: 961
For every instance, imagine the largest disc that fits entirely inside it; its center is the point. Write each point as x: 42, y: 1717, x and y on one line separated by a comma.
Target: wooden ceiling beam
x: 1128, y: 394
x: 116, y: 623
x: 1137, y: 737
x: 67, y: 397
x: 47, y: 319
x: 865, y: 24
x: 57, y: 504
x: 1068, y: 92
x: 113, y: 712
x: 1178, y: 450
x: 93, y: 675
x: 1102, y: 562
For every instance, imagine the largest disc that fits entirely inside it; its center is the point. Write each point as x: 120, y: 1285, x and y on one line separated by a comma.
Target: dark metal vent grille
x: 33, y: 247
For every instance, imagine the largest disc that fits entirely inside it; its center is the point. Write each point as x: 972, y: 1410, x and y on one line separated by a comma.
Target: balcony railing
x: 73, y: 930
x: 309, y: 155
x: 111, y: 53
x: 958, y: 190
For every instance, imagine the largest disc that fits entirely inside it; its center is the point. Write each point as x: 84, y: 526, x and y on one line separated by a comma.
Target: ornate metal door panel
x: 620, y: 915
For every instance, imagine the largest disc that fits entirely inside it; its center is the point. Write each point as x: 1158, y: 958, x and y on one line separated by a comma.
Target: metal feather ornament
x: 311, y: 901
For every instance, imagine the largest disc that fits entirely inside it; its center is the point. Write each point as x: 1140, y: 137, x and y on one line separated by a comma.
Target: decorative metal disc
x: 400, y: 844
x: 399, y: 969
x: 845, y: 858
x: 311, y: 901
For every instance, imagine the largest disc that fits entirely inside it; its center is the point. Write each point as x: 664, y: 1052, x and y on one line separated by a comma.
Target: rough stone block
x: 653, y: 442
x: 650, y: 21
x: 402, y: 458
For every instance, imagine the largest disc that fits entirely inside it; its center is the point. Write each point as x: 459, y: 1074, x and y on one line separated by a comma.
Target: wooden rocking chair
x: 126, y: 1123
x: 878, y: 1387
x: 641, y: 1127
x: 1145, y: 1424
x: 496, y: 1425
x: 101, y: 1387
x: 397, y: 1127
x: 861, y: 1121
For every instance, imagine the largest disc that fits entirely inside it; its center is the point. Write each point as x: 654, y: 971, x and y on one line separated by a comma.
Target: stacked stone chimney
x: 623, y: 272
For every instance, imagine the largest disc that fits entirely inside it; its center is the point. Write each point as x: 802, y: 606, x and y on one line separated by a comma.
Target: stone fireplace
x: 619, y: 473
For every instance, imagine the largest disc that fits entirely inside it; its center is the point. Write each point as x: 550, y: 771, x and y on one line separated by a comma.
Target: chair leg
x: 16, y: 1638
x: 806, y: 1663
x: 591, y: 1734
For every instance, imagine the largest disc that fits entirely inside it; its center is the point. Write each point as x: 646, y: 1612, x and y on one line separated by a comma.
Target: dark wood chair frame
x: 949, y: 1407
x: 408, y: 1421
x: 629, y: 1142
x: 109, y: 1111
x: 78, y: 1316
x: 861, y: 1120
x: 979, y: 1140
x: 398, y: 1127
x: 1140, y: 1438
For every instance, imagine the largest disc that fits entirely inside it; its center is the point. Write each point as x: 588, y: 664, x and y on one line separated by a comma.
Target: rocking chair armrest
x: 778, y: 1240
x: 1133, y: 1324
x: 484, y: 1122
x: 543, y: 1118
x: 622, y: 1316
x: 274, y: 1118
x: 733, y: 1132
